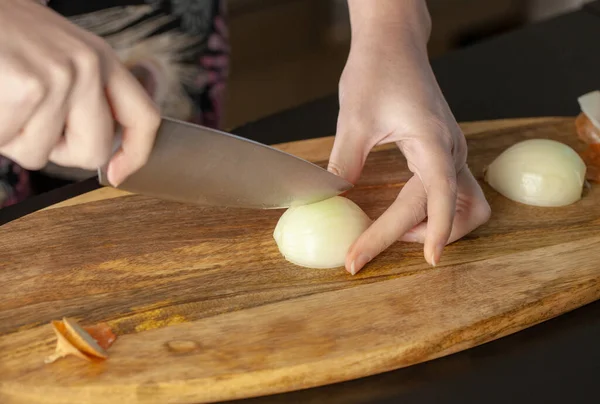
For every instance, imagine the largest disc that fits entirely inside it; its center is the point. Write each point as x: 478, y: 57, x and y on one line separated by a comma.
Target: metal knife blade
x: 195, y: 164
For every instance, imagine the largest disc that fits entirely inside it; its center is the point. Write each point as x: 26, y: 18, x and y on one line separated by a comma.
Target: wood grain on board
x: 206, y: 309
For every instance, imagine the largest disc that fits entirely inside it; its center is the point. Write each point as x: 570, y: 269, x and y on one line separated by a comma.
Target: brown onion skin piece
x: 590, y: 134
x: 102, y: 333
x: 586, y: 130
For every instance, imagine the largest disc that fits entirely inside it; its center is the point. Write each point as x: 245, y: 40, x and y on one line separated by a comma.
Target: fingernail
x: 111, y: 173
x: 358, y: 263
x: 111, y: 176
x: 333, y: 170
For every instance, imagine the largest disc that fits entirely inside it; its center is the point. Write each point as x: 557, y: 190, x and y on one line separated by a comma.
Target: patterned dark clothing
x: 178, y: 50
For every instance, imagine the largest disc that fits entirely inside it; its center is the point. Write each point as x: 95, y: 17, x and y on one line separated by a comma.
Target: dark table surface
x: 539, y: 70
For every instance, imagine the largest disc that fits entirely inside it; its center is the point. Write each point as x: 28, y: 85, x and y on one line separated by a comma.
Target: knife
x: 195, y: 164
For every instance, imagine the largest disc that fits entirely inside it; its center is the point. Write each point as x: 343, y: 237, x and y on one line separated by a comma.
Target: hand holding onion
x: 388, y: 93
x: 385, y: 98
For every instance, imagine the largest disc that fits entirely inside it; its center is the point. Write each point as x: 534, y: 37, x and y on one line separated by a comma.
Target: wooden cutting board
x: 206, y: 309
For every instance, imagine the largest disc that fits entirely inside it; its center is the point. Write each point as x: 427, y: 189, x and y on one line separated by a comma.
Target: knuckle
x: 426, y: 150
x: 417, y: 206
x: 87, y: 60
x: 152, y: 121
x: 29, y: 161
x: 437, y: 124
x: 443, y: 128
x: 444, y: 183
x: 411, y: 147
x: 26, y: 153
x: 416, y: 213
x: 418, y: 209
x: 61, y: 72
x: 419, y: 203
x: 434, y: 134
x: 34, y: 90
x: 33, y: 164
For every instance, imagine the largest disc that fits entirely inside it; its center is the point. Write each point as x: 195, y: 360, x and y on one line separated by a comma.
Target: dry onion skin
x: 588, y: 131
x: 89, y: 343
x: 102, y: 334
x: 64, y: 346
x: 319, y: 235
x: 538, y: 172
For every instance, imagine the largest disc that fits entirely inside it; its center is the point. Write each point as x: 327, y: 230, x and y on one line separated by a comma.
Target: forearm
x: 390, y: 22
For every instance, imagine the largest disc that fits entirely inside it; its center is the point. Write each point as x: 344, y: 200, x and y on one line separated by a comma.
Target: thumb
x: 348, y: 156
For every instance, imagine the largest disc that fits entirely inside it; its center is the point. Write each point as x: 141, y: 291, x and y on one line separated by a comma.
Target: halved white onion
x: 319, y: 235
x: 538, y: 172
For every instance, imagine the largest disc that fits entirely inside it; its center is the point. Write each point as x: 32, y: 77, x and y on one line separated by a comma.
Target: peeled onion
x: 538, y: 172
x: 319, y: 235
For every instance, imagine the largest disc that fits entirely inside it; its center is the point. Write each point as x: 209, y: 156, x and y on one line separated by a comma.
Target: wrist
x: 391, y: 23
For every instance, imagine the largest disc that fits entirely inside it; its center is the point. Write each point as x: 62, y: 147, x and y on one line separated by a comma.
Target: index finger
x: 139, y: 119
x: 407, y: 211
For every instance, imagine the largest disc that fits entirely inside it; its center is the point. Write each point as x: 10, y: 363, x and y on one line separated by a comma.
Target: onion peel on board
x: 102, y: 333
x: 89, y: 343
x: 587, y: 125
x: 590, y: 134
